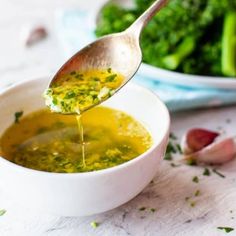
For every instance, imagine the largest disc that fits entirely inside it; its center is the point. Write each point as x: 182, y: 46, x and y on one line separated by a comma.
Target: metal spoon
x: 119, y: 51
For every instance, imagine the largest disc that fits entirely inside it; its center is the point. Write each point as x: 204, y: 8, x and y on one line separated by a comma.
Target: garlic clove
x: 196, y: 139
x: 34, y: 35
x: 216, y: 153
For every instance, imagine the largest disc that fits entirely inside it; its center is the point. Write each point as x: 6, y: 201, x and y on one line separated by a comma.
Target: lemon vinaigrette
x: 79, y: 91
x: 49, y: 141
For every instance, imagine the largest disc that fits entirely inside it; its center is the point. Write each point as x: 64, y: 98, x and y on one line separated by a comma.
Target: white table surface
x: 216, y: 204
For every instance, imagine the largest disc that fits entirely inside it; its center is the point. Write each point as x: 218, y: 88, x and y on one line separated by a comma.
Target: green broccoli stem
x: 184, y: 49
x: 228, y: 57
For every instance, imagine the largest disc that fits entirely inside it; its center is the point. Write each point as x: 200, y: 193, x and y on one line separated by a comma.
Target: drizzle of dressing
x: 81, y: 135
x: 79, y: 91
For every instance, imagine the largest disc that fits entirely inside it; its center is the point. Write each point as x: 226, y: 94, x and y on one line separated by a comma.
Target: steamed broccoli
x: 228, y: 58
x: 178, y: 37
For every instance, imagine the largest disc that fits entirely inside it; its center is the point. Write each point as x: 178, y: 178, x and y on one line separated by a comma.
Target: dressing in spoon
x: 99, y: 70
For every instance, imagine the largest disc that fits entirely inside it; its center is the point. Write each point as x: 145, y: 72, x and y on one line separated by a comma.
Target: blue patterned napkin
x: 75, y: 29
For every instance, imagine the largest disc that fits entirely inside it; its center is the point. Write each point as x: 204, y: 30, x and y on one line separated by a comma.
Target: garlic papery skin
x: 218, y: 152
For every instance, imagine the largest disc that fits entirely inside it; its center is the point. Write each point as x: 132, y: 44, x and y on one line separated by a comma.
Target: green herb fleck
x: 18, y: 115
x: 79, y: 76
x: 226, y: 229
x: 206, y: 172
x: 172, y: 136
x: 142, y: 208
x: 197, y: 193
x: 191, y: 162
x: 110, y: 78
x: 72, y: 73
x: 2, y: 212
x: 152, y: 209
x: 218, y: 173
x: 169, y: 150
x: 69, y: 95
x: 193, y: 204
x: 195, y: 179
x: 179, y: 148
x: 54, y: 101
x: 109, y: 70
x: 94, y: 224
x: 168, y: 157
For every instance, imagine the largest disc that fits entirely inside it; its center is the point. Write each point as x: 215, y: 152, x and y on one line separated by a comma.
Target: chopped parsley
x: 81, y: 91
x: 218, y: 173
x: 55, y: 101
x: 111, y: 78
x: 70, y: 95
x: 206, y: 172
x: 152, y: 209
x: 179, y: 148
x: 18, y: 115
x: 193, y: 204
x: 109, y: 70
x: 226, y: 229
x: 94, y: 224
x: 195, y: 179
x: 2, y: 212
x: 172, y: 136
x: 172, y: 148
x: 169, y: 151
x: 191, y: 162
x: 168, y: 157
x: 72, y: 73
x: 142, y: 208
x: 197, y: 193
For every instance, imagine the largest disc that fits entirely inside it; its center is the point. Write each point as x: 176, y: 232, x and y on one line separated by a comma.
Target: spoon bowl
x: 120, y: 51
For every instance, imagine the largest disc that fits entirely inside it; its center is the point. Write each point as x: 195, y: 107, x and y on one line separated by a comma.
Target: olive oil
x: 51, y: 142
x: 81, y: 135
x: 79, y: 91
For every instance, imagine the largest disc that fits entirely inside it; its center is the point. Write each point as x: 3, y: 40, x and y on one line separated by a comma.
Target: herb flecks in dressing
x: 50, y: 142
x: 78, y: 91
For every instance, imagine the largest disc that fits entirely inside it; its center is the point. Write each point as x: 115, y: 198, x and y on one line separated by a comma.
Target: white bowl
x: 80, y: 194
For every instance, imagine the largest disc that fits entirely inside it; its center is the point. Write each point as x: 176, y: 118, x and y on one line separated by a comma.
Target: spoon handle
x: 137, y: 27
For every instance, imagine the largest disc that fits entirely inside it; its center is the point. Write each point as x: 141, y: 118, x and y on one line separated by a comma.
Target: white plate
x: 177, y: 78
x: 186, y: 79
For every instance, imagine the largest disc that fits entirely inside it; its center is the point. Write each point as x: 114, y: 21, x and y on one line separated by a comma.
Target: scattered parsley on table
x: 2, y: 212
x: 94, y: 224
x: 226, y: 229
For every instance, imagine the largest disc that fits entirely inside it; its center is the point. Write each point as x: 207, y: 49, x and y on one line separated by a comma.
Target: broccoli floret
x: 114, y: 19
x: 181, y: 52
x: 177, y: 37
